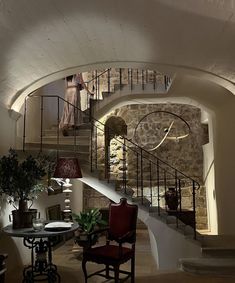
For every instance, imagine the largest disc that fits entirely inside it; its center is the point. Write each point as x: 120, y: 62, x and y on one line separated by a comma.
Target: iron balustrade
x: 151, y: 176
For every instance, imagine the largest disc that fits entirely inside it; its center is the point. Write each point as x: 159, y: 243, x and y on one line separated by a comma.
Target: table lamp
x: 67, y: 168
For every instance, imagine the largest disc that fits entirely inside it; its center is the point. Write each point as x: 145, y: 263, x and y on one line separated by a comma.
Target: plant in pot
x: 19, y: 180
x: 89, y: 222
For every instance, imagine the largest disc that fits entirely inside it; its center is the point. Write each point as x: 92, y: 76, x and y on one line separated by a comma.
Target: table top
x: 31, y: 233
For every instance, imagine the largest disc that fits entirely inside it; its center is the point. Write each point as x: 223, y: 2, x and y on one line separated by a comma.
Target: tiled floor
x: 67, y: 259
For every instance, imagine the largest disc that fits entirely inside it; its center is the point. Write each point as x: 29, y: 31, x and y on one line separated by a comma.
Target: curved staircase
x: 168, y: 232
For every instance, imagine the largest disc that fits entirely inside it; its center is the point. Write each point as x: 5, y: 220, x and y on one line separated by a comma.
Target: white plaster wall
x: 209, y: 180
x: 224, y: 166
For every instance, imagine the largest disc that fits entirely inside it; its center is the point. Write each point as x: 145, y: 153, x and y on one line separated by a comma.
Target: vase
x: 172, y: 199
x: 23, y: 219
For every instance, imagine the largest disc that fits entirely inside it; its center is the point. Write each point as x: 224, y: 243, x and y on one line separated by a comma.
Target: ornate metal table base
x: 41, y: 267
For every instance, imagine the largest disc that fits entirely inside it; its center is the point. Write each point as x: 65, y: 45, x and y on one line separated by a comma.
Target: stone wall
x: 184, y: 154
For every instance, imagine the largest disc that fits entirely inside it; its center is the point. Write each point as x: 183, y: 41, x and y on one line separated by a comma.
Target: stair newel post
x: 41, y: 126
x: 165, y: 188
x: 194, y: 209
x: 131, y: 79
x: 158, y: 187
x: 124, y: 164
x: 137, y: 173
x: 176, y: 190
x: 58, y: 127
x: 142, y: 79
x: 141, y: 175
x: 120, y: 78
x: 150, y: 182
x: 154, y: 79
x: 109, y: 81
x: 24, y: 128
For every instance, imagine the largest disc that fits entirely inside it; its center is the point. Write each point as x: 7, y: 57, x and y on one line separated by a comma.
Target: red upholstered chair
x: 121, y: 230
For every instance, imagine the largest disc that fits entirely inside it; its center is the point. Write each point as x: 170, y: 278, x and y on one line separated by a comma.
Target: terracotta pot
x: 172, y: 199
x: 23, y: 219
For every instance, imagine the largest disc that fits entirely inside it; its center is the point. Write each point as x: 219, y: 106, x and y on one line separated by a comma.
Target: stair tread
x: 217, y: 262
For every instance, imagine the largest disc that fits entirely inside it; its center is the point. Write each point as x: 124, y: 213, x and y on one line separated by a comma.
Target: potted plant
x: 89, y: 222
x: 19, y: 180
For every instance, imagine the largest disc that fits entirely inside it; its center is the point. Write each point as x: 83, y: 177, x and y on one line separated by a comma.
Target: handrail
x: 129, y: 140
x: 160, y: 174
x: 87, y: 82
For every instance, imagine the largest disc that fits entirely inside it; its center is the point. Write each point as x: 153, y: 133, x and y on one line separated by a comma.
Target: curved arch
x: 165, y: 68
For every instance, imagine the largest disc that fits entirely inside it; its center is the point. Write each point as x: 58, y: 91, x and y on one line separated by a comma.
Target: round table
x: 40, y: 243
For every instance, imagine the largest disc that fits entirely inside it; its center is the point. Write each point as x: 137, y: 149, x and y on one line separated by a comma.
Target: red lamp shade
x: 67, y: 167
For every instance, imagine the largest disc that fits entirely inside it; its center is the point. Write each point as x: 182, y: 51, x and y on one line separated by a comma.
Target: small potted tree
x: 19, y: 180
x: 89, y: 222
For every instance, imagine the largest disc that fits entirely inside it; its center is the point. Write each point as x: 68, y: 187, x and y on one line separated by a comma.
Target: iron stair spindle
x: 150, y: 182
x: 75, y: 113
x: 165, y: 187
x: 96, y: 148
x: 120, y: 78
x: 165, y: 82
x: 109, y: 81
x: 142, y: 78
x: 96, y: 85
x: 194, y: 210
x: 58, y: 128
x: 158, y: 188
x: 176, y: 190
x: 154, y: 79
x: 41, y: 126
x: 91, y: 145
x: 137, y: 173
x: 137, y: 76
x: 131, y: 79
x: 141, y: 175
x: 124, y: 164
x: 24, y: 129
x: 180, y: 195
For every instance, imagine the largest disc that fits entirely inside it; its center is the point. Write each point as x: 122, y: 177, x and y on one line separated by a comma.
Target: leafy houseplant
x: 19, y: 181
x: 88, y: 222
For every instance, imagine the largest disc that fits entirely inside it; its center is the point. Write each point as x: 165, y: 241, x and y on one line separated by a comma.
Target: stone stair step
x: 216, y: 266
x: 64, y: 147
x: 219, y: 252
x: 66, y: 139
x: 53, y: 132
x: 82, y: 156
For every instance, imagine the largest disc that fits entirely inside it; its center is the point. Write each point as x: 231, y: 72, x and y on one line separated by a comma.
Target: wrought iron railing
x: 145, y: 177
x: 111, y: 80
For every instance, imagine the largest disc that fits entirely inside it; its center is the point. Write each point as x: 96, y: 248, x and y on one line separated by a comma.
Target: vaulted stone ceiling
x: 44, y: 40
